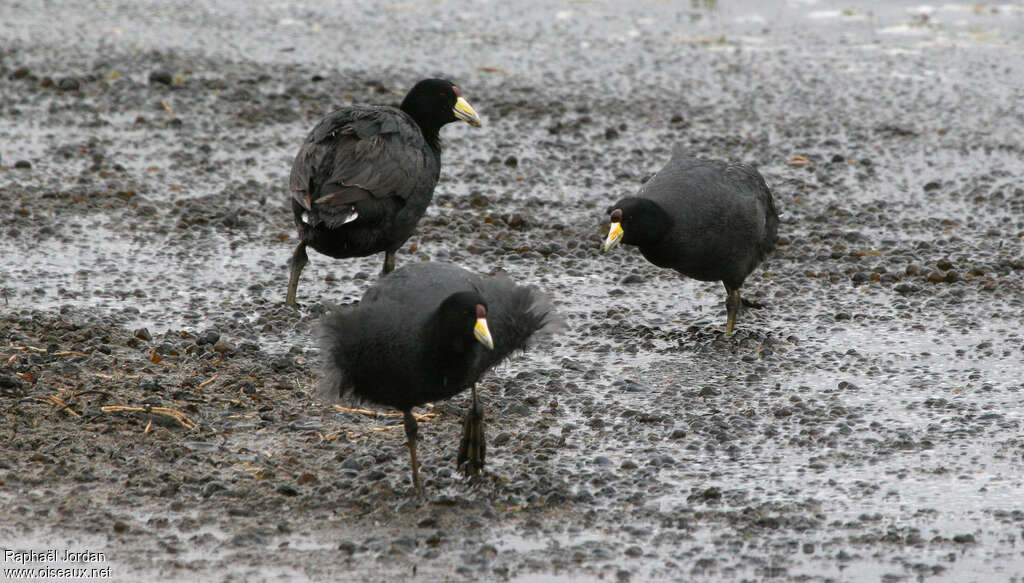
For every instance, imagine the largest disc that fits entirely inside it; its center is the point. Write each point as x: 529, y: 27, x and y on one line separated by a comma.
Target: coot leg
x: 411, y: 431
x: 732, y: 307
x: 389, y: 262
x: 299, y: 260
x: 473, y: 448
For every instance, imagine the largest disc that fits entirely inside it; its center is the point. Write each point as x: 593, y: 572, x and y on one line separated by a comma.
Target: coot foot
x: 473, y: 448
x: 752, y: 304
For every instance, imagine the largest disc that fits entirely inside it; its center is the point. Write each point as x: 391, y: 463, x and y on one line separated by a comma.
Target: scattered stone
x: 208, y: 337
x: 906, y: 288
x: 68, y: 84
x: 353, y: 463
x: 711, y: 494
x: 10, y: 384
x: 286, y: 490
x: 160, y: 77
x: 211, y: 488
x: 964, y: 539
x: 223, y: 346
x: 248, y: 539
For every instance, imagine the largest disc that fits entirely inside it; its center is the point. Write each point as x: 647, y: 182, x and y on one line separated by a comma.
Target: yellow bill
x: 464, y: 111
x: 482, y: 333
x: 614, y: 236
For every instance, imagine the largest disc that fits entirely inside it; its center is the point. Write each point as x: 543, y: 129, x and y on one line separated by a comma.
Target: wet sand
x: 864, y: 425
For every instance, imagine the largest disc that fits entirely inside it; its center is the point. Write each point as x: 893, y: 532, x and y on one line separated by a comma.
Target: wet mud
x: 864, y: 425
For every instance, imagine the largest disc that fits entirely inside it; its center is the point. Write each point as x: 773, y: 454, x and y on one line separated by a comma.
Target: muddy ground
x: 865, y: 425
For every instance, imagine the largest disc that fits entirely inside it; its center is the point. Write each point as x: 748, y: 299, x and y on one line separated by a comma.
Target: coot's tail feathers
x: 771, y: 219
x: 334, y: 205
x: 526, y: 315
x: 771, y: 214
x: 332, y: 217
x: 333, y: 211
x: 537, y: 320
x: 333, y: 332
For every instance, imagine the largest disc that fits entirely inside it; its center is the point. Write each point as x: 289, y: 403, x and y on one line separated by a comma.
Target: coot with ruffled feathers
x: 366, y: 174
x: 425, y: 333
x: 707, y: 219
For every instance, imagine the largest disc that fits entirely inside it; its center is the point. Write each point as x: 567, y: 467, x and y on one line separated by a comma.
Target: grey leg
x: 732, y: 307
x: 389, y: 262
x: 411, y: 431
x: 299, y: 260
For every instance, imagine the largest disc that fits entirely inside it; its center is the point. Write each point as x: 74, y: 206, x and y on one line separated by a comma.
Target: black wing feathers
x: 733, y: 178
x: 751, y: 180
x: 359, y: 153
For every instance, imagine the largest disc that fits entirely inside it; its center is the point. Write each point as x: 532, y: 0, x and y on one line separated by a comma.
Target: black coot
x: 707, y: 219
x: 427, y: 332
x: 366, y: 174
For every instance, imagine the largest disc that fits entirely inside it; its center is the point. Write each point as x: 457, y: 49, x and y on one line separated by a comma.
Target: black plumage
x: 366, y: 174
x: 416, y: 337
x: 707, y: 219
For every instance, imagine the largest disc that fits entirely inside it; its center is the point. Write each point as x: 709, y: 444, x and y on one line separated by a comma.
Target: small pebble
x: 161, y: 77
x: 208, y: 337
x: 223, y: 346
x: 68, y: 84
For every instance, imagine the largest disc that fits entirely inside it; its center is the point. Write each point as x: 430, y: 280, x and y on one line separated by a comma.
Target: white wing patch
x: 348, y: 218
x: 352, y: 215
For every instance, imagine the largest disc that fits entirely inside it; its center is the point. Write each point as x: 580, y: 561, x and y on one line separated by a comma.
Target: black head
x: 463, y: 321
x: 436, y: 102
x: 639, y: 222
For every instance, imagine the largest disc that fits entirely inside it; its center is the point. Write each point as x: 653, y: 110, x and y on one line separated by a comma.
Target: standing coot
x: 424, y: 333
x: 707, y: 219
x: 366, y: 173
